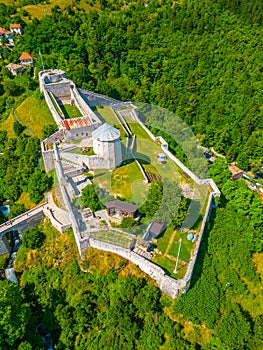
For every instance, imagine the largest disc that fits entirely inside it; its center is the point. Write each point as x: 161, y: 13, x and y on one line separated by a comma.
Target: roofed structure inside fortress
x: 106, y: 133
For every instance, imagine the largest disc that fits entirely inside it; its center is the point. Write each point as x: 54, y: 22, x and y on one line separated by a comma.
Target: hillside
x: 202, y: 60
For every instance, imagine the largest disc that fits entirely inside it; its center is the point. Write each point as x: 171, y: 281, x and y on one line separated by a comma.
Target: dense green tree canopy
x: 90, y: 198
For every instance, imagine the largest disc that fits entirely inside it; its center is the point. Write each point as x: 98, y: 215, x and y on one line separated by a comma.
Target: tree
x: 48, y: 130
x: 37, y: 184
x: 33, y: 238
x: 14, y: 315
x: 219, y: 171
x: 15, y: 210
x: 18, y: 128
x: 90, y: 198
x: 234, y: 328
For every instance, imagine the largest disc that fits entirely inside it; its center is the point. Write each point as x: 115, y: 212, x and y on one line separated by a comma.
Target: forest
x: 201, y: 60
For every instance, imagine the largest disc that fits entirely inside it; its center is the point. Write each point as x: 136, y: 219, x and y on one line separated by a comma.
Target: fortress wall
x: 56, y: 103
x: 95, y: 162
x: 193, y: 258
x: 167, y: 284
x: 64, y: 188
x: 73, y: 158
x: 48, y: 160
x: 83, y: 106
x: 94, y: 99
x: 76, y: 172
x: 60, y: 90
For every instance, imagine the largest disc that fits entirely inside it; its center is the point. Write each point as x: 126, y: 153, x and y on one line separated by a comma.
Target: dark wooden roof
x: 156, y: 228
x: 119, y: 205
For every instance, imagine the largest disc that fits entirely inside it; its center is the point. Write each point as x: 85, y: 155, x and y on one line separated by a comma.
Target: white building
x: 107, y: 146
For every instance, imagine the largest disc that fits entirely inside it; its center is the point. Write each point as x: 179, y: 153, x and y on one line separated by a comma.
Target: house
x: 156, y: 228
x: 236, y: 173
x: 26, y: 59
x: 15, y: 69
x: 117, y: 207
x: 4, y: 33
x: 153, y: 231
x: 16, y: 28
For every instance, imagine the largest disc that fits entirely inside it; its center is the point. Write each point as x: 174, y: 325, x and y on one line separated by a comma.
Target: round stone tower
x: 107, y: 145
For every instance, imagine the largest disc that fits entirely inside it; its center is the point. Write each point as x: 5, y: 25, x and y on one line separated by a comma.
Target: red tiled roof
x: 76, y: 123
x: 26, y: 56
x: 2, y: 31
x: 15, y: 26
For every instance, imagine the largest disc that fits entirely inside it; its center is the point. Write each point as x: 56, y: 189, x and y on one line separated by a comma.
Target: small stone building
x: 117, y: 207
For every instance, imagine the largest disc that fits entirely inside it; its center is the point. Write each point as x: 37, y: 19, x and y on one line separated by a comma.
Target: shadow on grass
x: 65, y: 112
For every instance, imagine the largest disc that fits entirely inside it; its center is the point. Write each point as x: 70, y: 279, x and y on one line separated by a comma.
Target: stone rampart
x: 48, y: 160
x: 65, y: 188
x: 95, y: 99
x: 190, y: 268
x: 167, y: 284
x: 75, y: 172
x: 60, y: 90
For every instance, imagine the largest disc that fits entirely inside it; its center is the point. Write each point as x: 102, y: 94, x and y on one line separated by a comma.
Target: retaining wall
x: 167, y: 284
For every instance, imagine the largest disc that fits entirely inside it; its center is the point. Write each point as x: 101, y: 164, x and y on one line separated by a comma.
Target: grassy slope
x: 33, y: 114
x: 41, y: 10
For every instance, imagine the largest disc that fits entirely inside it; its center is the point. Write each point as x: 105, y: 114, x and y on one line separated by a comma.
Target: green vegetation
x: 112, y: 295
x: 33, y: 238
x: 226, y: 273
x: 90, y: 198
x: 203, y: 61
x: 70, y: 111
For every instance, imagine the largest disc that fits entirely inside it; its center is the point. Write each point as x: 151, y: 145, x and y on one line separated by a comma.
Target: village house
x: 15, y: 69
x: 16, y: 28
x: 26, y: 59
x: 236, y: 173
x: 4, y: 33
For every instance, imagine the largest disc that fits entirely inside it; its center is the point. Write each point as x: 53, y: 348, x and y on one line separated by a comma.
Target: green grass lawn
x: 186, y: 246
x: 41, y: 10
x: 125, y: 181
x: 137, y: 129
x: 168, y: 265
x: 70, y: 111
x: 107, y: 116
x: 164, y: 239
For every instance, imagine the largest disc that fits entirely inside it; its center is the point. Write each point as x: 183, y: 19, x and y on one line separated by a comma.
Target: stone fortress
x: 105, y: 140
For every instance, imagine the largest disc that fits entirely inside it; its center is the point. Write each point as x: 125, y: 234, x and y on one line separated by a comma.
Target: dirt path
x: 170, y: 243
